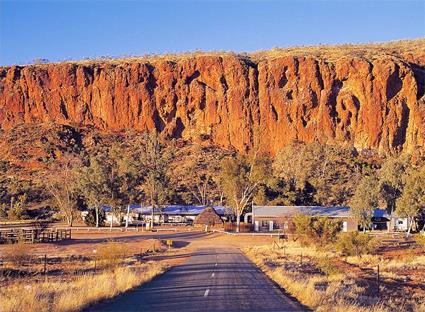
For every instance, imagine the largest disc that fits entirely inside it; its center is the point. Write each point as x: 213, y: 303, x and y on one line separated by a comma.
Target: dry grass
x: 394, y: 49
x: 17, y: 253
x: 325, y: 282
x: 420, y: 239
x: 406, y: 261
x: 75, y: 294
x: 370, y: 51
x: 111, y: 253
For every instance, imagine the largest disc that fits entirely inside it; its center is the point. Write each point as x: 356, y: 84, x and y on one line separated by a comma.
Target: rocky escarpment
x: 231, y: 100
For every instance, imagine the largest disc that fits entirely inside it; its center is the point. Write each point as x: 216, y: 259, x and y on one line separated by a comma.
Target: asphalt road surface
x: 212, y: 279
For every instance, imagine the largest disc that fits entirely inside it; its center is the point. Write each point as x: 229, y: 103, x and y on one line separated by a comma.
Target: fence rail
x: 27, y: 235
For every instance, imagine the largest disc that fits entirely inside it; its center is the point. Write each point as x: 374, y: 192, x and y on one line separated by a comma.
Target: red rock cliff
x: 229, y: 99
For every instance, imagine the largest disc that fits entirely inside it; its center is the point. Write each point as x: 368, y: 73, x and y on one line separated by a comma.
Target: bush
x: 327, y: 266
x: 111, y: 253
x: 16, y: 210
x: 90, y: 218
x: 17, y: 253
x: 420, y: 238
x: 355, y: 244
x: 317, y: 230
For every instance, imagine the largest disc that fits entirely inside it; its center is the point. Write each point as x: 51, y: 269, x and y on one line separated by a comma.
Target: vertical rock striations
x: 234, y: 101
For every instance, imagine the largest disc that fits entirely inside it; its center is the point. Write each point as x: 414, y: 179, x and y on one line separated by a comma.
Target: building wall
x: 286, y: 224
x: 352, y: 225
x: 399, y: 224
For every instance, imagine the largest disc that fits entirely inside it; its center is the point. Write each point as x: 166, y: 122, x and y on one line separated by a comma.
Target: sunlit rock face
x: 230, y: 100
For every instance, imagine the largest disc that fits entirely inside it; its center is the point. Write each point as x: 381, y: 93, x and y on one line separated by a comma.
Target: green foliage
x: 16, y: 209
x: 94, y: 218
x: 316, y: 230
x: 14, y: 197
x: 321, y: 174
x: 327, y: 266
x: 355, y: 244
x: 93, y: 183
x: 154, y: 159
x: 277, y: 192
x: 364, y: 201
x: 63, y: 189
x: 412, y: 203
x: 391, y: 181
x: 201, y: 173
x: 240, y: 178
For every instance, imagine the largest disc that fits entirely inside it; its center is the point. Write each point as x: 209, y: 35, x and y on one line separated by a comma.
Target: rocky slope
x: 368, y: 97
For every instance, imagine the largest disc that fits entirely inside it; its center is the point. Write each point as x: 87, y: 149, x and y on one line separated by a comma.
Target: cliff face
x: 233, y: 101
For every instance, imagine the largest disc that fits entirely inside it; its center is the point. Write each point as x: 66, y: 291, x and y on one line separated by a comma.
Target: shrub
x: 316, y: 230
x: 111, y: 253
x: 16, y: 210
x: 90, y: 218
x: 327, y: 266
x: 17, y: 253
x: 355, y: 244
x: 420, y: 239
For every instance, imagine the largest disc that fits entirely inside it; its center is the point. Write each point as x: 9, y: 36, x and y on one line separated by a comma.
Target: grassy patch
x: 77, y: 293
x: 325, y: 281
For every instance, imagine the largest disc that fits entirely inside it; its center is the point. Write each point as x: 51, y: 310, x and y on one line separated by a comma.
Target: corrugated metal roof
x: 290, y: 211
x: 175, y: 209
x: 381, y: 213
x: 321, y: 211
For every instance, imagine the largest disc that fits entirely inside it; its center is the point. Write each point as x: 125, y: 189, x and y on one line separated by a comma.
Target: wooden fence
x: 28, y: 235
x: 243, y: 227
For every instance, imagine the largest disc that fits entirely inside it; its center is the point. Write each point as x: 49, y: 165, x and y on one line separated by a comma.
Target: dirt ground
x: 79, y: 255
x: 84, y: 242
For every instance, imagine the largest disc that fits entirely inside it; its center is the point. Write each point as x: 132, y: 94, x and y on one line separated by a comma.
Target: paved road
x: 212, y: 279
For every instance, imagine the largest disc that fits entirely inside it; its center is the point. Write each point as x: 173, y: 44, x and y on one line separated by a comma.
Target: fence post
x: 45, y: 268
x: 378, y: 280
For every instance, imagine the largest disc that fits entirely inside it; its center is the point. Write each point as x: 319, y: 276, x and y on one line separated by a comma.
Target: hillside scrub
x: 300, y: 174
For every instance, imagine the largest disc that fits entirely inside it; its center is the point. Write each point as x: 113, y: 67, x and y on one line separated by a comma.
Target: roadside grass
x: 75, y: 294
x: 111, y: 253
x: 325, y: 281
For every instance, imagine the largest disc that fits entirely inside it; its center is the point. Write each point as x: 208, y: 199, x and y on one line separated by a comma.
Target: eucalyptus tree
x: 63, y: 188
x: 411, y: 204
x: 241, y: 176
x: 364, y: 201
x: 391, y: 181
x: 154, y: 159
x: 130, y: 173
x: 93, y: 183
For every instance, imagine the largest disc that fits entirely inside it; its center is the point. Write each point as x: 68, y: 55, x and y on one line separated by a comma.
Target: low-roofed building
x: 269, y: 218
x: 167, y: 214
x: 208, y: 217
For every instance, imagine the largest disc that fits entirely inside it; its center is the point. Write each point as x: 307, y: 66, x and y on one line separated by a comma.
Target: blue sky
x: 74, y: 29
